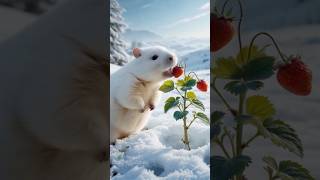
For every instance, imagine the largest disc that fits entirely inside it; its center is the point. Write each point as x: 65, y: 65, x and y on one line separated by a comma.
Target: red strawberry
x: 202, y: 85
x: 296, y: 77
x: 177, y: 71
x: 222, y: 32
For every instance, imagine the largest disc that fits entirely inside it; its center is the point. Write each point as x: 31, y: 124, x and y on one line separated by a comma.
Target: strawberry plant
x: 244, y: 74
x: 185, y: 99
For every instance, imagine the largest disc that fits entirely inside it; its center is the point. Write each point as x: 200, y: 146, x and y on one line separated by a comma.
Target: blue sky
x: 169, y: 18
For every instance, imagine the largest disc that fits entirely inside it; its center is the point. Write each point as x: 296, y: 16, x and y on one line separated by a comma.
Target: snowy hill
x: 140, y: 35
x: 197, y: 60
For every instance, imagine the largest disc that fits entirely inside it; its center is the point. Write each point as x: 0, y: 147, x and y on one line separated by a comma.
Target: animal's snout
x: 170, y: 58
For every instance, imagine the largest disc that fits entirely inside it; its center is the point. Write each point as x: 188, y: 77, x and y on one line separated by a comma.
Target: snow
x: 158, y: 152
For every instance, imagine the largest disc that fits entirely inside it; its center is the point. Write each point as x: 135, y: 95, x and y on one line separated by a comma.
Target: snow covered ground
x: 158, y: 152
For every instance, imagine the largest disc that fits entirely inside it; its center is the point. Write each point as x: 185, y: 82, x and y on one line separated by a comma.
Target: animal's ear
x: 136, y: 52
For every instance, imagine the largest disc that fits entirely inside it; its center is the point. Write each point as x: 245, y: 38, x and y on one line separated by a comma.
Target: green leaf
x: 271, y: 162
x: 282, y: 135
x: 254, y: 85
x: 255, y: 53
x: 287, y: 170
x: 226, y: 68
x: 215, y: 123
x: 167, y: 86
x: 215, y: 130
x: 185, y: 88
x: 290, y: 169
x: 236, y: 87
x: 191, y: 95
x: 259, y: 106
x: 216, y: 116
x: 258, y: 69
x: 171, y: 102
x: 202, y: 117
x: 179, y: 115
x: 180, y: 82
x: 190, y: 83
x: 198, y: 104
x: 224, y: 169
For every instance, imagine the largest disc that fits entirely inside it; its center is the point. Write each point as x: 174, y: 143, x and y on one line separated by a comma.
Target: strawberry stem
x: 194, y: 74
x: 273, y: 41
x: 224, y: 6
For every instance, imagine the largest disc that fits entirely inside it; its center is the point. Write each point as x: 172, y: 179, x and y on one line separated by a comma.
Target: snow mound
x: 158, y: 152
x: 197, y: 60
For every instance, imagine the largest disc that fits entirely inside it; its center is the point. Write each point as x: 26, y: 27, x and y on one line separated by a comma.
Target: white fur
x: 130, y: 99
x: 53, y: 96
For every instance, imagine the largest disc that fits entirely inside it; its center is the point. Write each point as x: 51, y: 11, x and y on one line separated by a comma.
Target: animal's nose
x: 170, y: 58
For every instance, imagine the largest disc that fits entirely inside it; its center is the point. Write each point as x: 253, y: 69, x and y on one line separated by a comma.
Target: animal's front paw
x: 151, y: 107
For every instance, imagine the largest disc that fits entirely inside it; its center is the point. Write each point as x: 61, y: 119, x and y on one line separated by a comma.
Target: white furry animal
x: 134, y: 89
x: 54, y: 96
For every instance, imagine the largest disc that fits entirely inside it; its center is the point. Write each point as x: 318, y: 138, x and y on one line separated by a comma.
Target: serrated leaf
x: 215, y: 130
x: 198, y: 104
x: 171, y: 102
x: 255, y: 53
x: 226, y: 68
x: 258, y: 69
x: 185, y: 88
x: 271, y: 162
x: 254, y: 85
x: 224, y: 169
x: 287, y: 170
x: 236, y: 87
x: 179, y: 115
x: 259, y: 106
x: 216, y: 116
x: 190, y: 83
x: 191, y: 95
x: 180, y: 82
x: 282, y: 135
x: 202, y: 117
x: 290, y: 169
x: 167, y: 86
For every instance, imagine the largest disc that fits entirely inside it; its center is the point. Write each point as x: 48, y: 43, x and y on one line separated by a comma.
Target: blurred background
x: 295, y: 24
x: 16, y: 14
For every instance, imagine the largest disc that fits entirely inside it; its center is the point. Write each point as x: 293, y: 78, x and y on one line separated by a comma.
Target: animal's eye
x: 154, y: 57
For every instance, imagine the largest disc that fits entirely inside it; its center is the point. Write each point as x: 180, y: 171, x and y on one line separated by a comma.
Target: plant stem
x: 239, y: 129
x: 273, y: 41
x: 239, y: 29
x: 213, y: 85
x: 231, y: 141
x: 194, y: 118
x: 224, y: 6
x: 185, y: 128
x: 250, y: 140
x: 223, y: 148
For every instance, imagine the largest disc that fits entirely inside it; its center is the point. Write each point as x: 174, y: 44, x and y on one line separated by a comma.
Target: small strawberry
x: 222, y: 32
x: 202, y: 85
x: 177, y: 71
x: 295, y: 77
